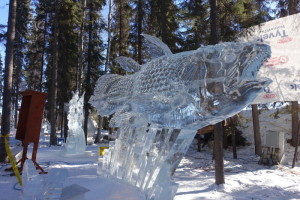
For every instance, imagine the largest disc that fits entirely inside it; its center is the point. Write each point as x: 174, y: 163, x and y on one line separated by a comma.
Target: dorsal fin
x: 155, y: 46
x: 128, y: 64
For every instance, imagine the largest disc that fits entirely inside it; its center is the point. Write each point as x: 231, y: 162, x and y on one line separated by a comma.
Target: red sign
x: 284, y: 40
x: 276, y: 61
x: 269, y: 96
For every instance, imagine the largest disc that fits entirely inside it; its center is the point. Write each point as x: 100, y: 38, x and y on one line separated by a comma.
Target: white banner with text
x: 283, y: 68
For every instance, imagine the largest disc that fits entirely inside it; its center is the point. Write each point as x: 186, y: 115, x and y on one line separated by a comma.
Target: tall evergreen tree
x: 162, y: 20
x: 138, y: 27
x: 285, y: 8
x: 80, y: 65
x: 239, y: 15
x: 22, y: 21
x: 37, y: 44
x: 68, y: 24
x: 120, y: 32
x: 53, y: 81
x: 94, y: 57
x: 9, y: 54
x: 194, y: 22
x: 62, y: 54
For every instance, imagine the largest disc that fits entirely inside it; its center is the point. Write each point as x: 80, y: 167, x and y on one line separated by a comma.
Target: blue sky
x: 3, y: 20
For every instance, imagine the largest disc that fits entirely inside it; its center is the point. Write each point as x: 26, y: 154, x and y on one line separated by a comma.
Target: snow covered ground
x: 244, y: 177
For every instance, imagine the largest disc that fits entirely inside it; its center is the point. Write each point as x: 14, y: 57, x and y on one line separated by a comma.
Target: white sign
x: 283, y: 35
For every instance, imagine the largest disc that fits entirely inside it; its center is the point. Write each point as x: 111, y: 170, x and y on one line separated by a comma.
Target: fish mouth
x: 248, y: 90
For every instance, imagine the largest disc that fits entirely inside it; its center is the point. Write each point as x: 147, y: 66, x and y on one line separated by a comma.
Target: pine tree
x: 7, y: 92
x: 37, y: 44
x: 68, y: 23
x: 285, y: 8
x: 22, y: 21
x: 162, y: 21
x: 80, y: 65
x: 62, y: 54
x: 240, y: 15
x: 94, y: 57
x: 137, y: 28
x: 120, y: 31
x: 53, y: 70
x: 194, y: 21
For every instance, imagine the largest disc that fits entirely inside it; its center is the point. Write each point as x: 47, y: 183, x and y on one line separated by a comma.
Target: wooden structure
x: 29, y: 124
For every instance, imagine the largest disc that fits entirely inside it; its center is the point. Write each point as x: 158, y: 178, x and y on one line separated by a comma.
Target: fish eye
x: 230, y: 58
x: 235, y: 94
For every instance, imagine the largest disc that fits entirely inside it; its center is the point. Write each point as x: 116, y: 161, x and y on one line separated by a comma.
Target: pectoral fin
x: 155, y: 46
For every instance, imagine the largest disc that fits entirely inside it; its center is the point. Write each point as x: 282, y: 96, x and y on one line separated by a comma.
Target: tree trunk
x: 218, y: 149
x: 233, y: 139
x: 9, y: 55
x: 80, y: 56
x: 120, y: 28
x: 62, y: 120
x: 43, y: 53
x: 256, y: 128
x: 17, y: 99
x: 163, y: 21
x: 292, y: 7
x: 296, y: 148
x: 99, y: 129
x: 108, y: 37
x: 54, y: 78
x: 214, y: 36
x: 66, y: 128
x: 295, y: 119
x: 225, y: 136
x: 218, y: 128
x: 88, y: 89
x: 140, y: 22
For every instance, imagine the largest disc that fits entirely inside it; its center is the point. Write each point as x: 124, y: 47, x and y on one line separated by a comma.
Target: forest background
x: 63, y: 46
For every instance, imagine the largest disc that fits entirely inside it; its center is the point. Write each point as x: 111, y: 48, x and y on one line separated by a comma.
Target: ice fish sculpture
x: 185, y: 90
x: 159, y: 107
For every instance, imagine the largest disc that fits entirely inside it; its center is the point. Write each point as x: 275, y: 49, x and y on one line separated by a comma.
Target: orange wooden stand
x: 29, y: 124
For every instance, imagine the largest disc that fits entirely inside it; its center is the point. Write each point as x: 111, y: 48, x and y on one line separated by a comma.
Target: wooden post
x: 296, y: 147
x: 233, y: 142
x: 218, y: 150
x: 257, y: 138
x: 99, y: 129
x: 66, y: 128
x: 295, y: 119
x: 225, y: 139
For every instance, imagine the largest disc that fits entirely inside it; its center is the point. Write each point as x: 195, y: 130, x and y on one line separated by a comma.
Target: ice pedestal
x: 146, y: 157
x: 53, y: 185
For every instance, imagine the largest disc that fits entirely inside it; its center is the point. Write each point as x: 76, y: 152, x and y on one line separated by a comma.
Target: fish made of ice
x: 183, y: 90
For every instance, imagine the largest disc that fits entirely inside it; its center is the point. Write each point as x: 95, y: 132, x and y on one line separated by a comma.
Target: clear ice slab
x: 32, y: 182
x: 159, y: 108
x: 75, y: 144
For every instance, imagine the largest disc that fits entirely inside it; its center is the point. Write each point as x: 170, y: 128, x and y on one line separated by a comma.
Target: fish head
x: 230, y: 80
